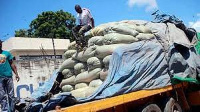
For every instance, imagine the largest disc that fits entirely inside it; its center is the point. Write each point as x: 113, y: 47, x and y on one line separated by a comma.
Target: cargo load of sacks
x: 85, y: 71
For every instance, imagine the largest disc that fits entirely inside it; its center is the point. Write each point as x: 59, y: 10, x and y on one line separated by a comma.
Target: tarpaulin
x: 145, y: 65
x: 45, y: 89
x: 141, y: 65
x: 184, y: 64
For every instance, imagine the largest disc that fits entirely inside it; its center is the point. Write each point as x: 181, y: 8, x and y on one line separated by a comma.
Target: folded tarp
x: 62, y: 100
x: 184, y: 64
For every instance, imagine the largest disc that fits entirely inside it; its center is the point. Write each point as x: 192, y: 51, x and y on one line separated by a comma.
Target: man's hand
x: 17, y: 78
x: 14, y: 70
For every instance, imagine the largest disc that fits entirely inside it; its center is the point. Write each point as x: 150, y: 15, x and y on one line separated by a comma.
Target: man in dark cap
x: 85, y: 23
x: 6, y: 81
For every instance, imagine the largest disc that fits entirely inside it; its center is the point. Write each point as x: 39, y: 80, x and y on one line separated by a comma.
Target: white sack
x: 143, y: 29
x: 67, y: 88
x: 68, y: 81
x: 116, y: 38
x: 69, y: 53
x: 68, y: 73
x: 93, y: 63
x: 103, y: 29
x: 67, y: 64
x: 95, y: 83
x: 84, y: 55
x: 145, y: 36
x: 88, y: 76
x: 80, y: 67
x: 83, y: 92
x: 105, y: 50
x: 81, y: 85
x: 126, y: 30
x: 96, y: 40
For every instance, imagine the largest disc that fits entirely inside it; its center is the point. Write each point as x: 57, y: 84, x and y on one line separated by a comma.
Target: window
x: 32, y: 57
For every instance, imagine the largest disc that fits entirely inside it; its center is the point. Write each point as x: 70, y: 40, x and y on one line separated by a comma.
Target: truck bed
x: 103, y: 104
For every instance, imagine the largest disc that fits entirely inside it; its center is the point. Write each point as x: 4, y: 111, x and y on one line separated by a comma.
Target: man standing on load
x: 85, y: 23
x: 6, y: 82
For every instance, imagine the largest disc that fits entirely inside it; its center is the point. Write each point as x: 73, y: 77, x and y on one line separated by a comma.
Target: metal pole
x: 54, y: 51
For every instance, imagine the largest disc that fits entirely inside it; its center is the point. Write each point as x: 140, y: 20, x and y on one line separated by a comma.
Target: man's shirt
x: 85, y: 17
x: 5, y: 68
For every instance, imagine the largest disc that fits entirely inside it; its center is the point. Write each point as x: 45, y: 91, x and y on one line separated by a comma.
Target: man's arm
x: 91, y: 18
x: 92, y: 22
x: 14, y: 68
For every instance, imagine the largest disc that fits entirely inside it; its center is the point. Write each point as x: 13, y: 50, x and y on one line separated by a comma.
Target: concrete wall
x: 20, y: 46
x: 21, y: 43
x: 32, y: 74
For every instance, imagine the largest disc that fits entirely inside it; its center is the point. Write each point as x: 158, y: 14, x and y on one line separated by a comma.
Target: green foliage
x: 21, y: 33
x: 50, y: 24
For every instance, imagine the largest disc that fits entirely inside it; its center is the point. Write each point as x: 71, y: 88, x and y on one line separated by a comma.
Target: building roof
x: 23, y: 43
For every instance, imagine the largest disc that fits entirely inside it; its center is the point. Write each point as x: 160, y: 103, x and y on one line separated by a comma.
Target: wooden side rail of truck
x: 168, y: 99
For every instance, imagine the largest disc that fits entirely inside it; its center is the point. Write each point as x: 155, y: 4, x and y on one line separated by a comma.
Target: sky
x: 17, y: 14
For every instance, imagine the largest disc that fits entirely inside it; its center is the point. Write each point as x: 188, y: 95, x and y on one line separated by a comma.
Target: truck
x: 161, y: 93
x: 180, y: 97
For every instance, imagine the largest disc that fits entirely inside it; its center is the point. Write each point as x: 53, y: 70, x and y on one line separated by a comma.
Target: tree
x: 21, y: 33
x: 51, y: 24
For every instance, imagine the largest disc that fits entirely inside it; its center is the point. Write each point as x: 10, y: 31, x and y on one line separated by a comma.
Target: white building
x: 33, y: 48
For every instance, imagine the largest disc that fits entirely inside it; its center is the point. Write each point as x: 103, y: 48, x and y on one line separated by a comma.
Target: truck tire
x: 172, y: 106
x: 151, y: 108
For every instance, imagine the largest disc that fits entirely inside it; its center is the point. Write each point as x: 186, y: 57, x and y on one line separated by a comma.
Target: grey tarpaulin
x: 45, y: 89
x: 141, y: 65
x: 145, y: 65
x: 184, y: 63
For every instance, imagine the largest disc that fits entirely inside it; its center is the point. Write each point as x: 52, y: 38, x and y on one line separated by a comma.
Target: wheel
x: 172, y: 106
x: 151, y: 108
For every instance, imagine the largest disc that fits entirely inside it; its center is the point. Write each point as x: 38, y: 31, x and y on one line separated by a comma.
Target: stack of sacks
x: 85, y: 71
